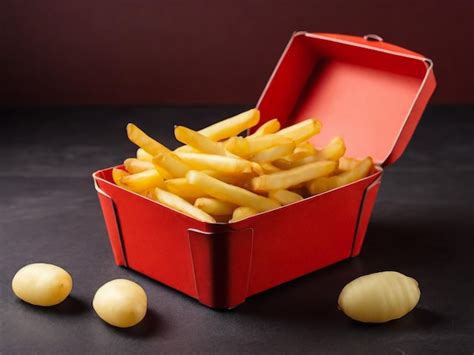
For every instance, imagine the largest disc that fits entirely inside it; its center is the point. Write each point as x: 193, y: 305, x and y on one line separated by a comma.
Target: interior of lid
x: 361, y: 94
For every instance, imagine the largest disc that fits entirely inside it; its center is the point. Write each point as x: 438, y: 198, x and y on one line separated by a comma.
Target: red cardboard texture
x: 370, y: 93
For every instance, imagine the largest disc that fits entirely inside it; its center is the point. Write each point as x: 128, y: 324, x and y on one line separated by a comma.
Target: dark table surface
x: 423, y: 226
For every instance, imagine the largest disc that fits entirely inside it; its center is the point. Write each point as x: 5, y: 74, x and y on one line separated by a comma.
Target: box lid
x: 369, y: 92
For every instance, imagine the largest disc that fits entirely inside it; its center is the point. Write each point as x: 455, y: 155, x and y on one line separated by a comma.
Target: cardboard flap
x: 369, y: 92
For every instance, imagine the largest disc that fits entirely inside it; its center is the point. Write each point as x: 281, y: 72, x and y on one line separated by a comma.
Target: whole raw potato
x: 42, y: 284
x: 379, y: 297
x: 121, y: 303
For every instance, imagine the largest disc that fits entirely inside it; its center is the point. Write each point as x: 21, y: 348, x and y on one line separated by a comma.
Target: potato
x: 121, y: 303
x: 379, y: 297
x: 42, y: 284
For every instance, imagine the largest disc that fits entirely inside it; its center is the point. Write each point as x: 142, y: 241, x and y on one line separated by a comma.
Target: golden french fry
x: 242, y: 212
x: 214, y: 207
x: 165, y: 174
x: 134, y: 166
x: 140, y: 138
x: 117, y: 175
x: 232, y: 126
x: 326, y: 183
x: 303, y: 150
x: 300, y: 190
x: 303, y: 161
x: 288, y: 178
x: 142, y: 181
x: 215, y: 162
x: 198, y: 141
x: 273, y: 153
x: 301, y: 131
x: 283, y: 163
x: 233, y: 179
x: 245, y: 147
x: 186, y: 148
x: 171, y: 163
x: 229, y: 193
x: 180, y: 187
x: 346, y: 163
x: 257, y: 168
x: 284, y: 197
x: 268, y: 127
x: 333, y: 151
x: 150, y: 193
x: 145, y: 193
x: 142, y: 155
x: 269, y: 168
x: 175, y: 202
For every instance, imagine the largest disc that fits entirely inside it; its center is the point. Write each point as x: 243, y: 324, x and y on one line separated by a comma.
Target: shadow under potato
x: 71, y: 306
x: 150, y: 326
x: 418, y: 318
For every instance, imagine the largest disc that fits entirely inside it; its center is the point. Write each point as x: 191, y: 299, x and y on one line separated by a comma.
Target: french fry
x: 214, y: 207
x: 142, y: 155
x: 233, y: 179
x: 283, y: 163
x: 333, y: 151
x: 165, y: 174
x: 346, y: 163
x: 301, y: 131
x: 301, y: 190
x: 268, y: 127
x: 175, y: 202
x: 303, y: 150
x: 229, y: 193
x: 232, y: 126
x: 215, y: 162
x: 322, y: 184
x: 186, y: 148
x: 134, y: 166
x: 245, y: 148
x: 150, y: 193
x: 257, y: 168
x: 140, y: 138
x: 288, y: 178
x: 142, y: 181
x: 117, y: 175
x: 284, y: 197
x: 269, y: 168
x: 171, y: 163
x: 242, y: 212
x: 273, y: 153
x: 198, y: 141
x: 303, y: 161
x: 180, y: 187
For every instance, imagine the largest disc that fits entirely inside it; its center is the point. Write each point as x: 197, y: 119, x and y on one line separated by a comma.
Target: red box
x: 370, y: 92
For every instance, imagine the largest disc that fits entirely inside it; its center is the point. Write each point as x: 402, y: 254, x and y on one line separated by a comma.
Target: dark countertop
x: 423, y: 226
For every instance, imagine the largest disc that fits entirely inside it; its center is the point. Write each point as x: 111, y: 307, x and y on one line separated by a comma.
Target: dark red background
x: 209, y: 52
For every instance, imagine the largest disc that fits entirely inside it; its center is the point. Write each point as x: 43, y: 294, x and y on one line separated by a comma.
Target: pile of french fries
x: 219, y: 176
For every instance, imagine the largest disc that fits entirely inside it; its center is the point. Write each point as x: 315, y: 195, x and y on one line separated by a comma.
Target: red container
x: 370, y: 92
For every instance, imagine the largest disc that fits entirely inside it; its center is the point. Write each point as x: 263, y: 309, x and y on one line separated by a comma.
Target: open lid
x: 369, y: 92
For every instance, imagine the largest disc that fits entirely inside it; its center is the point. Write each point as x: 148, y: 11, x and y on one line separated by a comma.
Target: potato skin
x: 42, y: 284
x: 121, y: 303
x: 379, y: 297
